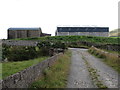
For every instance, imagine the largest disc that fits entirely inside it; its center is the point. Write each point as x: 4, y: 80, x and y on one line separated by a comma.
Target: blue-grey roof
x: 83, y: 29
x: 24, y: 28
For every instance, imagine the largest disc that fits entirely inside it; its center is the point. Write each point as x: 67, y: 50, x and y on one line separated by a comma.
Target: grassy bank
x: 9, y: 68
x: 109, y: 58
x: 55, y: 76
x: 94, y: 39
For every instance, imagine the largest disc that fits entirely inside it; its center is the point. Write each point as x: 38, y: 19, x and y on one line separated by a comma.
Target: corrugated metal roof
x: 83, y: 29
x: 24, y: 28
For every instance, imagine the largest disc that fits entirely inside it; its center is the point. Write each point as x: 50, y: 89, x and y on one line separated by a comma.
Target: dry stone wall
x: 111, y: 47
x: 20, y: 42
x: 24, y: 78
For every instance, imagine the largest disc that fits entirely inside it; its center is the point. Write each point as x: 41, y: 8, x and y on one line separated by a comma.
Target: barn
x: 24, y: 32
x: 87, y: 31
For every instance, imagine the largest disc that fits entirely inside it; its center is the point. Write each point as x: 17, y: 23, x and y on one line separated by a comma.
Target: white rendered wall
x: 102, y: 34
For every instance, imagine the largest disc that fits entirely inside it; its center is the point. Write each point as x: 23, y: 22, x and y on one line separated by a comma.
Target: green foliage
x: 94, y: 39
x: 112, y: 59
x: 47, y: 47
x: 55, y: 76
x: 51, y: 44
x: 9, y: 68
x: 44, y: 47
x: 19, y: 53
x: 78, y: 41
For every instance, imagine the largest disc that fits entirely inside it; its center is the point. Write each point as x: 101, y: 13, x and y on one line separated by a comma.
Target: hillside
x: 115, y: 32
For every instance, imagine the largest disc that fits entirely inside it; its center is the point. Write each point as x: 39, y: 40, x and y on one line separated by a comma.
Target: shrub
x: 48, y: 47
x: 19, y: 53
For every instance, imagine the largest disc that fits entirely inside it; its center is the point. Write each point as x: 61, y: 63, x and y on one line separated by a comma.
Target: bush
x: 48, y: 47
x: 19, y: 53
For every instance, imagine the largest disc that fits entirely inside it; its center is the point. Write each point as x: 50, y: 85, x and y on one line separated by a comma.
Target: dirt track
x: 80, y: 77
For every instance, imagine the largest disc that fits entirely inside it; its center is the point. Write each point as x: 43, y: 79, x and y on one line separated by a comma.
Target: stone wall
x: 24, y: 78
x: 111, y: 47
x: 20, y: 42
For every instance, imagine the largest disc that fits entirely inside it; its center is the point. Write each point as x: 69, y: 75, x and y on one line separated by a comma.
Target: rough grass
x: 9, y: 68
x: 94, y: 39
x: 55, y: 76
x: 111, y: 59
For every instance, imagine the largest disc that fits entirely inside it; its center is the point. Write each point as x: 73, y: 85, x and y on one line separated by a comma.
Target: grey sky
x: 48, y: 14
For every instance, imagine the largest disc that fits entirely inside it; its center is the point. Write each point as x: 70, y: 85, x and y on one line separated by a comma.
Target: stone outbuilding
x: 86, y: 31
x: 25, y: 33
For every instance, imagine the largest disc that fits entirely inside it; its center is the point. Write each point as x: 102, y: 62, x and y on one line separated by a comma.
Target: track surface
x: 79, y: 76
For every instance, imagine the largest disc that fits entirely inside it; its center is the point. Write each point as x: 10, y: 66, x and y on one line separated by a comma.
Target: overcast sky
x: 48, y: 14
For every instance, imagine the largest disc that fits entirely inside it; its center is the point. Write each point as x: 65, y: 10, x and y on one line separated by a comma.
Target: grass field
x: 55, y: 76
x: 9, y: 68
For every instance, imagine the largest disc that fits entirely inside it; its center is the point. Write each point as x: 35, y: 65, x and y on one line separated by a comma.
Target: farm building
x: 45, y: 34
x: 25, y: 32
x: 87, y: 31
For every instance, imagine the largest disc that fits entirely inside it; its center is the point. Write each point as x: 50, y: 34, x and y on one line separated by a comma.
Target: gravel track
x: 79, y: 76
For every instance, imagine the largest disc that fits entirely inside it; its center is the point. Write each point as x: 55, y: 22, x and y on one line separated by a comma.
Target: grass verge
x: 9, y: 68
x: 111, y: 59
x: 56, y: 75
